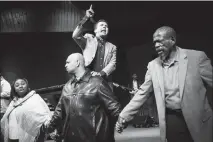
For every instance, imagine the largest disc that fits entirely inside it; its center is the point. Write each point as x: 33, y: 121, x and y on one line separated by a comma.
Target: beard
x: 164, y: 56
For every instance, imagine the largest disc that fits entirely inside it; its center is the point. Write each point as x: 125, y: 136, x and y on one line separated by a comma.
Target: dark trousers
x: 176, y: 128
x: 1, y: 135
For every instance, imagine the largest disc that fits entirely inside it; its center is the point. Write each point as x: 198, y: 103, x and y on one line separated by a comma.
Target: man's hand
x: 87, y: 35
x: 90, y: 13
x: 46, y: 124
x: 133, y: 92
x: 120, y: 125
x: 95, y: 73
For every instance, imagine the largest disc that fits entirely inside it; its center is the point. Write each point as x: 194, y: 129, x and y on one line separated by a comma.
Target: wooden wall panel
x: 55, y: 17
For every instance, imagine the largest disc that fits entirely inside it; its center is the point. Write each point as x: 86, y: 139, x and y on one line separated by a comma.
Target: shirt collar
x: 101, y: 40
x: 175, y: 59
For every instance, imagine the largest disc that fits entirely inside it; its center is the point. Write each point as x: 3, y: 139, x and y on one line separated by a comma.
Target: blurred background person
x: 5, y: 91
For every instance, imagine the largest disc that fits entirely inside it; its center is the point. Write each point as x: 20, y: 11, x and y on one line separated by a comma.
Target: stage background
x: 36, y: 37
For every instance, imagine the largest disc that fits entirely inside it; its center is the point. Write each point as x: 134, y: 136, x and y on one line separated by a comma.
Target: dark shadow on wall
x: 39, y: 57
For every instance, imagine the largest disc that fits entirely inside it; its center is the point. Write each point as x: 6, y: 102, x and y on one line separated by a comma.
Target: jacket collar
x: 179, y: 56
x: 101, y: 40
x: 84, y: 78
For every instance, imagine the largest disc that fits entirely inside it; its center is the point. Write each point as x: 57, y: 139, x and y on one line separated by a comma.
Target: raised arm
x: 78, y: 32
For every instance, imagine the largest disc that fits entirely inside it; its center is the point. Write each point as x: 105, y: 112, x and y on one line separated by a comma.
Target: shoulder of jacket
x: 154, y: 61
x: 65, y: 88
x: 97, y: 80
x: 194, y: 54
x: 190, y: 51
x: 112, y: 45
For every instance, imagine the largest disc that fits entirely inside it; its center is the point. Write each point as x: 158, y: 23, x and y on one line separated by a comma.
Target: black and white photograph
x: 106, y: 71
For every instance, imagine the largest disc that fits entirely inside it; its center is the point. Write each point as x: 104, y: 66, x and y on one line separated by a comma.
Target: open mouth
x: 160, y: 52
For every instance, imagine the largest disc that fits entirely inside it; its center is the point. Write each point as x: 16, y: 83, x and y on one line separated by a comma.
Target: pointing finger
x: 90, y: 7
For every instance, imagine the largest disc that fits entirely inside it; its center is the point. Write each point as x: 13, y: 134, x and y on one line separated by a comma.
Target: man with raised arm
x: 99, y: 54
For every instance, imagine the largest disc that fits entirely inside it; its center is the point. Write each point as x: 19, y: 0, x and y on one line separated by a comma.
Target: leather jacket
x: 83, y: 110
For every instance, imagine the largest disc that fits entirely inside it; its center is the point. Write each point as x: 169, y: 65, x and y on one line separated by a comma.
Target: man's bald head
x: 167, y: 31
x: 77, y: 57
x: 74, y: 61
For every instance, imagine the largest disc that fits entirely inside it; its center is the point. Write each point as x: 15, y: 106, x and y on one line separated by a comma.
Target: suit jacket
x: 88, y: 43
x: 195, y: 71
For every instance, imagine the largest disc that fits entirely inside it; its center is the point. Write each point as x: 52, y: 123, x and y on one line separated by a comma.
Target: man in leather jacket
x: 83, y: 106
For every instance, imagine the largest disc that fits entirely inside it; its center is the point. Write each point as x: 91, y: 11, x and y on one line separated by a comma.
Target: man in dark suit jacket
x: 179, y: 78
x: 99, y: 54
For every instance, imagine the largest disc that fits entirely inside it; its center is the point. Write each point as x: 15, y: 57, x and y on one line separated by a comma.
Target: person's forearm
x: 78, y: 30
x: 5, y: 94
x: 103, y: 74
x: 52, y: 124
x: 83, y: 21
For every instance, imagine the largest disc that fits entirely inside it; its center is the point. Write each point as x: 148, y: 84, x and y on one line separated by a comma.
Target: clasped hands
x: 120, y: 125
x: 133, y: 92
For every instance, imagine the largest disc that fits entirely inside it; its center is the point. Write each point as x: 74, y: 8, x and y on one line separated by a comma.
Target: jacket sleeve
x: 78, y: 33
x: 109, y: 100
x: 139, y: 98
x: 58, y: 115
x: 205, y: 69
x: 111, y: 66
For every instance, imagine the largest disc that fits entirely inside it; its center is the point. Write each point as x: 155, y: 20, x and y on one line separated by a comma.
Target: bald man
x: 178, y: 78
x: 83, y: 106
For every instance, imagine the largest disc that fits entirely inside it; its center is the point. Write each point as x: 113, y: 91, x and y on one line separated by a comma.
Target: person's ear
x: 172, y: 40
x: 77, y: 63
x: 95, y: 30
